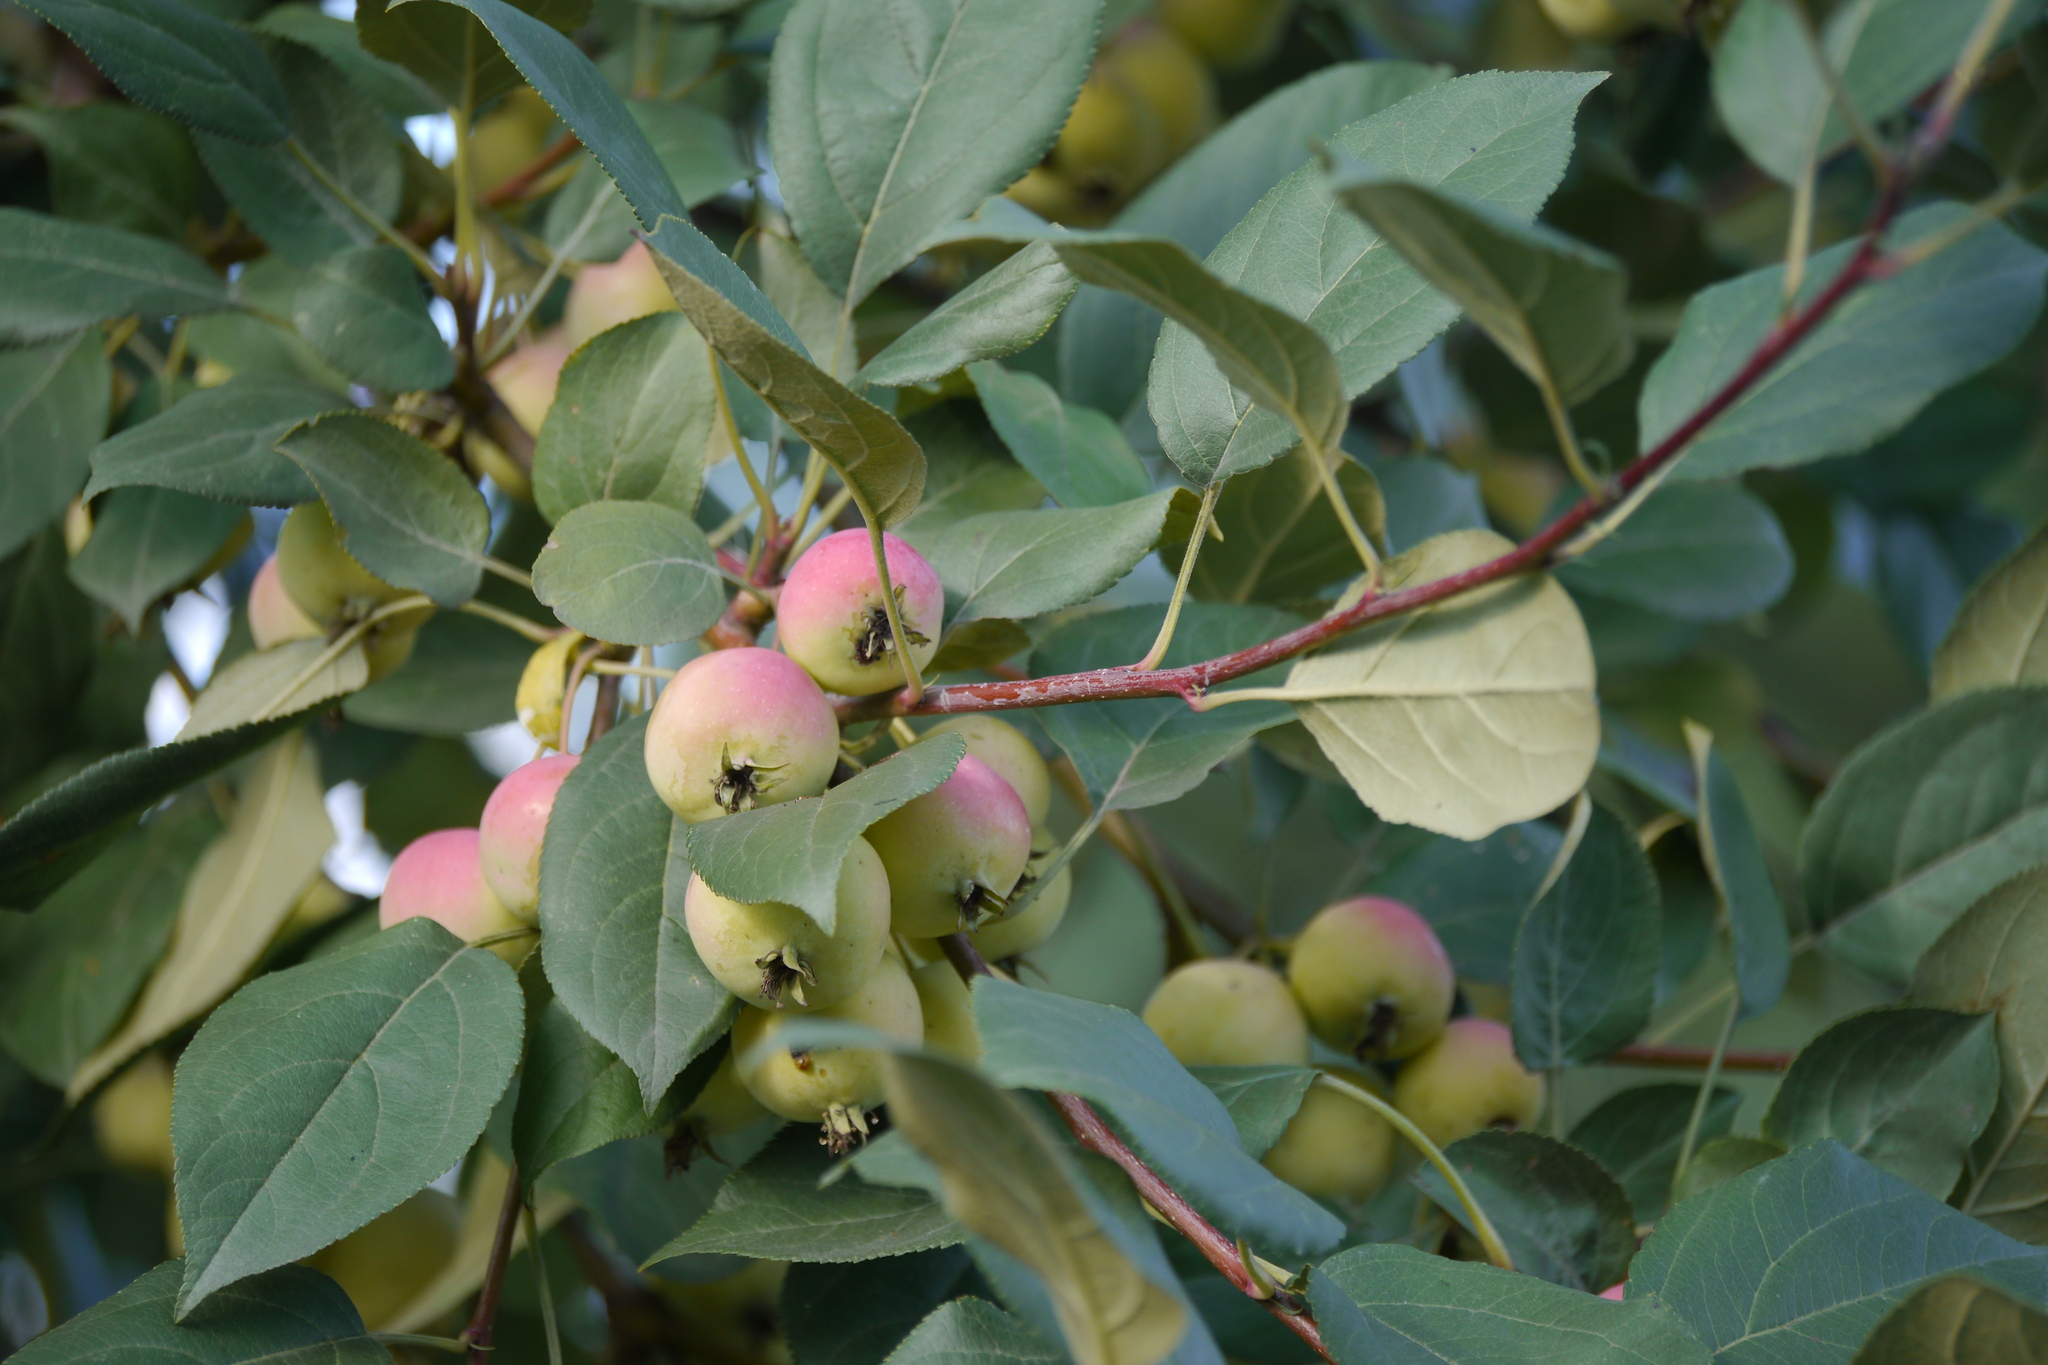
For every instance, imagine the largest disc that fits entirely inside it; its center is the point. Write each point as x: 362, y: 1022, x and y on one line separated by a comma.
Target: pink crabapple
x: 831, y: 618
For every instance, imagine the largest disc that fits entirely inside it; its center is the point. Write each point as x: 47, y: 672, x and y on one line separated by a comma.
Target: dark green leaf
x: 1007, y: 565
x: 998, y: 314
x: 179, y: 61
x: 627, y: 1188
x: 462, y: 676
x: 147, y: 541
x: 1893, y: 855
x: 453, y: 52
x: 1586, y: 958
x: 318, y: 1097
x: 405, y: 509
x: 1076, y: 452
x: 1040, y: 1041
x: 1636, y: 1134
x: 1735, y: 860
x: 967, y: 472
x: 365, y: 314
x: 1698, y: 552
x: 630, y: 419
x: 1799, y: 1258
x: 397, y: 90
x: 695, y: 146
x: 53, y: 410
x: 1563, y: 1218
x: 575, y: 1095
x: 1957, y: 1320
x: 1261, y: 1099
x: 857, y: 1314
x: 970, y: 1331
x: 613, y: 941
x: 218, y: 443
x: 637, y: 573
x: 1474, y: 894
x: 885, y: 128
x: 791, y: 851
x: 57, y: 276
x: 1282, y: 541
x: 116, y: 164
x: 288, y: 1315
x: 1720, y: 1161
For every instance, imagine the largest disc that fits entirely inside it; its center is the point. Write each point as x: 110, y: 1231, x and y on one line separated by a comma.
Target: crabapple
x: 131, y: 1119
x: 603, y: 296
x: 1229, y: 34
x: 273, y: 617
x: 1169, y: 77
x: 1372, y: 978
x: 438, y: 876
x: 1334, y: 1147
x: 525, y: 381
x: 830, y: 616
x: 1003, y: 747
x: 834, y: 1085
x: 1048, y: 194
x: 1221, y: 1012
x: 723, y: 1107
x: 383, y: 1263
x: 333, y: 589
x: 739, y: 728
x: 1468, y: 1079
x: 775, y: 953
x: 1112, y: 141
x: 509, y: 834
x: 954, y: 852
x: 949, y: 1027
x: 1015, y: 935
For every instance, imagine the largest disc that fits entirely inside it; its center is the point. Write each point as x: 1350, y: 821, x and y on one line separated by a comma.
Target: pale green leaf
x: 575, y: 1095
x: 999, y: 314
x: 280, y: 681
x: 1016, y: 564
x: 1261, y: 1099
x: 1076, y: 452
x: 218, y: 443
x: 462, y: 675
x: 116, y: 164
x: 1958, y: 1320
x: 967, y: 472
x: 1999, y: 637
x: 637, y: 573
x: 630, y: 420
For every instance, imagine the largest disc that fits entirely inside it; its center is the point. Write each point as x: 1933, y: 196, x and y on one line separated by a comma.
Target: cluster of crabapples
x: 1370, y: 980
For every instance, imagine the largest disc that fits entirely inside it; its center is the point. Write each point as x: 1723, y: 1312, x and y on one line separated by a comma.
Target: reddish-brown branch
x: 551, y: 156
x: 1698, y: 1058
x: 478, y: 1333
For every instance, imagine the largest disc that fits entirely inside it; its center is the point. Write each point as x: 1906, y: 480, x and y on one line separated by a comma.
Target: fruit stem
x: 478, y: 1332
x: 1352, y: 531
x: 1196, y: 537
x: 1699, y: 1104
x: 1482, y: 1226
x: 540, y: 1275
x: 513, y: 621
x: 900, y: 642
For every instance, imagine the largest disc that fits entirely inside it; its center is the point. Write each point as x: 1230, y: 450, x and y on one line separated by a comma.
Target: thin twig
x: 1180, y: 583
x: 1706, y: 1093
x: 1679, y: 1058
x: 478, y: 1333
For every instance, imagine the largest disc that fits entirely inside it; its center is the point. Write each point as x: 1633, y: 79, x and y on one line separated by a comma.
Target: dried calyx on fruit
x: 739, y: 728
x: 776, y: 955
x: 835, y: 1087
x: 832, y: 618
x: 1372, y: 978
x: 955, y: 853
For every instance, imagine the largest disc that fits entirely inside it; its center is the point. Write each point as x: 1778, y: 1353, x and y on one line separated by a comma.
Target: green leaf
x: 1464, y: 716
x: 967, y: 472
x: 871, y: 452
x: 48, y: 839
x: 885, y: 128
x: 405, y: 509
x: 970, y: 1331
x: 321, y: 1096
x: 1893, y: 852
x: 347, y: 136
x: 53, y: 409
x: 791, y: 852
x: 453, y: 52
x: 1006, y: 1180
x: 1563, y: 1218
x: 365, y: 313
x: 1040, y: 1041
x: 1007, y: 565
x: 397, y: 90
x: 695, y: 147
x: 627, y: 1187
x: 1957, y: 1320
x: 612, y: 939
x: 1281, y: 540
x: 1556, y: 306
x: 1861, y: 374
x: 637, y: 573
x: 115, y: 164
x: 1720, y: 1161
x: 288, y: 1315
x: 1993, y: 958
x: 1735, y: 861
x: 1999, y: 637
x: 1475, y: 894
x: 1798, y: 1258
x: 630, y: 420
x: 1497, y: 138
x: 1261, y: 1099
x: 57, y: 276
x: 1076, y: 452
x: 1406, y: 1307
x: 69, y: 971
x: 240, y: 891
x: 1586, y: 958
x: 462, y: 675
x: 179, y: 61
x: 218, y: 443
x: 1697, y: 552
x: 774, y: 1208
x: 860, y: 1314
x: 1132, y: 754
x: 51, y: 706
x: 147, y: 541
x: 283, y: 680
x: 1108, y: 341
x: 1636, y: 1135
x: 575, y: 1095
x: 1908, y: 1089
x: 999, y: 314
x: 1279, y: 363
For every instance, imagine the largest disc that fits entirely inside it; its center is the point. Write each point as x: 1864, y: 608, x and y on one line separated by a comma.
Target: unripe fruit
x: 603, y: 296
x: 509, y: 834
x: 739, y: 728
x: 273, y: 617
x: 525, y: 380
x: 505, y: 140
x: 1334, y: 1147
x: 953, y: 853
x: 1593, y: 21
x: 949, y: 1027
x: 1227, y: 1013
x: 1014, y: 935
x: 1048, y: 194
x: 723, y: 1107
x: 1467, y: 1080
x: 775, y: 954
x: 438, y: 876
x: 328, y: 584
x: 833, y: 1085
x: 132, y: 1117
x: 831, y: 618
x: 382, y: 1265
x: 1170, y: 78
x: 1003, y: 747
x: 1372, y: 978
x: 1112, y: 142
x: 1229, y: 34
